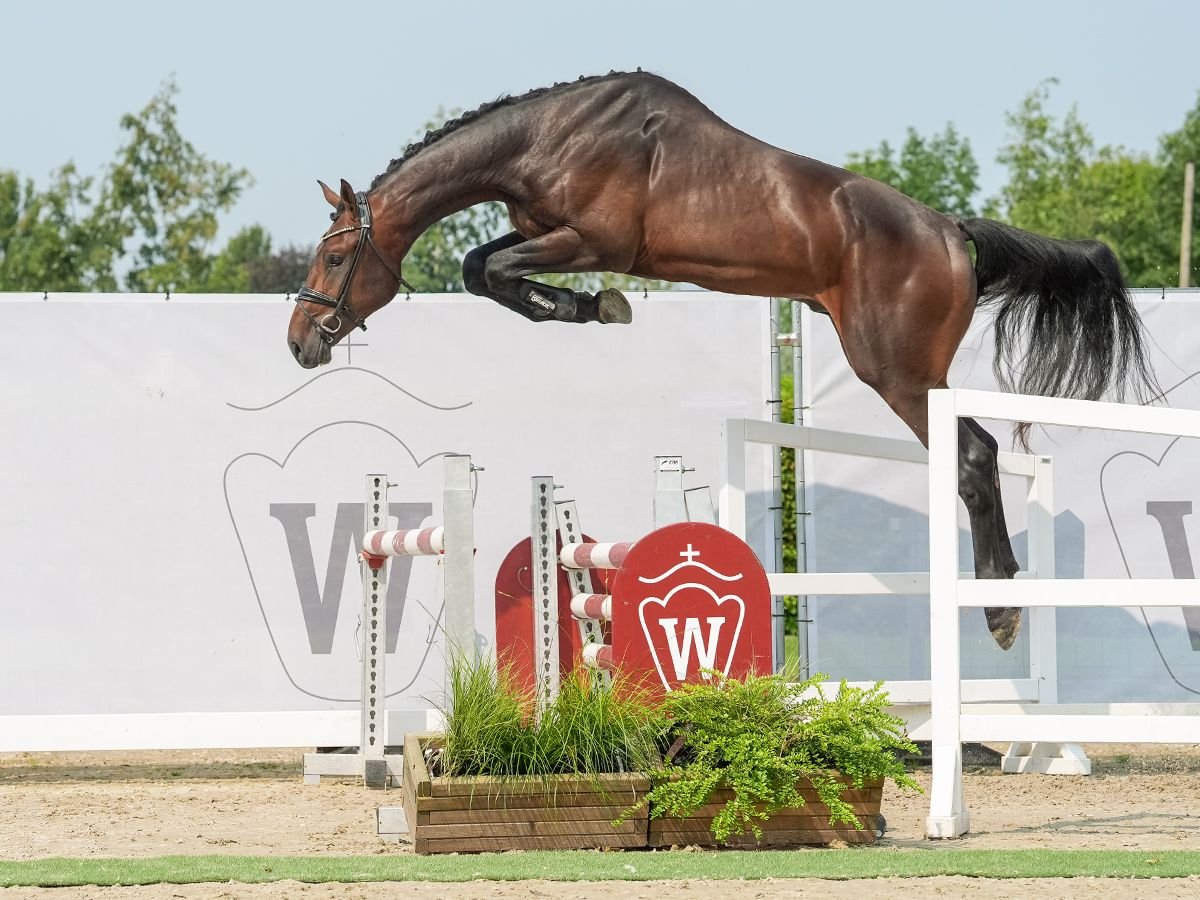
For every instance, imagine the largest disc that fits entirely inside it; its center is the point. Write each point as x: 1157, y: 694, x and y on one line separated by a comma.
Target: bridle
x: 330, y: 324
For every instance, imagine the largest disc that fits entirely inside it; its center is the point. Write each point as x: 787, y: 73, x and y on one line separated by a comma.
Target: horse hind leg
x: 979, y: 488
x: 1008, y: 558
x: 908, y: 352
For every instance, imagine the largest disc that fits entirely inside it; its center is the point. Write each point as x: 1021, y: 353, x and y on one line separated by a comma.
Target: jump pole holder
x: 672, y: 503
x: 454, y: 544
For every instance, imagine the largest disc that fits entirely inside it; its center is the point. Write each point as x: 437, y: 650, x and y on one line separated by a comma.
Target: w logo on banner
x: 689, y: 600
x: 1147, y: 500
x: 693, y: 639
x: 320, y: 601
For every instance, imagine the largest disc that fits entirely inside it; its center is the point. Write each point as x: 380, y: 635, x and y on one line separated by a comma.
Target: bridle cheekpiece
x: 330, y: 324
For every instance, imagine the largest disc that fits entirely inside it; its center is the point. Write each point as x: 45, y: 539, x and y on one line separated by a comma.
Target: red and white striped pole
x: 594, y: 556
x: 409, y: 542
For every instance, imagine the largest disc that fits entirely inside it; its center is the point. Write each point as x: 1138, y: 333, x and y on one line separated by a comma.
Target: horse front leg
x: 499, y: 270
x: 475, y: 264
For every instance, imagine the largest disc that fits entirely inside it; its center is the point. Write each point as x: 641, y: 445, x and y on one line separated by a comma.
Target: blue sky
x: 303, y: 90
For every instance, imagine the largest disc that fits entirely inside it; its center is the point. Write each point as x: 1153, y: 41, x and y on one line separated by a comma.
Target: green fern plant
x: 765, y: 738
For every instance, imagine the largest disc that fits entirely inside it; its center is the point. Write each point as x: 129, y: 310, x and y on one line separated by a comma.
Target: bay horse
x: 629, y: 173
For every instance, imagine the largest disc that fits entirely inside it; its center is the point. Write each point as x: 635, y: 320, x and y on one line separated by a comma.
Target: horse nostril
x: 295, y: 349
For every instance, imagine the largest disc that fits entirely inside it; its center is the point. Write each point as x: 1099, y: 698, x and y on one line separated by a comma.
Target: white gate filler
x: 911, y: 699
x: 947, y: 709
x: 949, y: 592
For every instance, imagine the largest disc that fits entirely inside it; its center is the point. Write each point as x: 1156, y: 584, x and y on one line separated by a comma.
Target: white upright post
x: 698, y: 505
x: 458, y: 560
x: 731, y: 509
x: 669, y: 503
x: 1044, y: 758
x: 373, y: 628
x: 948, y: 816
x: 544, y: 575
x: 1043, y: 651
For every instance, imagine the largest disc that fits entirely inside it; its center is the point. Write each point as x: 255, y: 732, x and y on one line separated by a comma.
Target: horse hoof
x: 1004, y: 624
x: 612, y: 308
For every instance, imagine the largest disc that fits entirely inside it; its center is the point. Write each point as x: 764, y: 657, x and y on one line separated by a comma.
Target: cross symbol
x: 689, y: 554
x: 349, y: 346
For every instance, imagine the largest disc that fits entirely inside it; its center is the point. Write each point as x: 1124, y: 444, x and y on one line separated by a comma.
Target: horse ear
x: 330, y: 194
x: 348, y: 198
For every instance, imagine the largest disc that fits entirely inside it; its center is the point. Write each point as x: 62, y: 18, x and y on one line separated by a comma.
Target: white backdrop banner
x: 182, y: 501
x: 1127, y: 506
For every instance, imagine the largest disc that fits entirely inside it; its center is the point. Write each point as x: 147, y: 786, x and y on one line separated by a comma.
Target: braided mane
x: 432, y: 137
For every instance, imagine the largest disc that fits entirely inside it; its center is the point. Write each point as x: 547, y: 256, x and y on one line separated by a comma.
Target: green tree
x: 280, y: 272
x: 54, y: 239
x: 1176, y: 149
x: 1119, y: 201
x: 1061, y: 185
x: 939, y: 171
x: 1046, y: 164
x: 165, y: 197
x: 230, y: 270
x: 159, y: 201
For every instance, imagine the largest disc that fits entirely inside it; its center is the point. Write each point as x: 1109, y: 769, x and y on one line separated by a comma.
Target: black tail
x: 1066, y: 304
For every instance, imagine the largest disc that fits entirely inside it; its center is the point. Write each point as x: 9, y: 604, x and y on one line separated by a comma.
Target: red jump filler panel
x: 687, y: 598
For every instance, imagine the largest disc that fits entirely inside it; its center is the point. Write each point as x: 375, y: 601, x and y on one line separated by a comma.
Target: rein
x: 331, y: 323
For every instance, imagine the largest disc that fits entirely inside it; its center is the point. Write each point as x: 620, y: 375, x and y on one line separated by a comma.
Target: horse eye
x: 334, y: 260
x: 333, y: 216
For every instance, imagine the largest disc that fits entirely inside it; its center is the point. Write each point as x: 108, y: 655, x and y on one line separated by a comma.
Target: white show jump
x: 953, y: 721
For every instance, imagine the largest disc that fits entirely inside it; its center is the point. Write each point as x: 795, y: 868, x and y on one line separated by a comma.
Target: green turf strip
x: 594, y: 866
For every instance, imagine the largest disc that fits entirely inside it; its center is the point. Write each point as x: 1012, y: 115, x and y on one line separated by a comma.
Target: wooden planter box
x: 470, y: 815
x: 786, y: 828
x: 573, y: 812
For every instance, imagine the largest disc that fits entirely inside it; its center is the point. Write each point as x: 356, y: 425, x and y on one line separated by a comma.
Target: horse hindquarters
x: 901, y: 316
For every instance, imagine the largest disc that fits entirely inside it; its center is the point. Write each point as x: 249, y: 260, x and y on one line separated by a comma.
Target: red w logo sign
x: 689, y: 598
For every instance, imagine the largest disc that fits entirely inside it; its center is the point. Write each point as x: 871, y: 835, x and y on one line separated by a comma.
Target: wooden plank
x: 600, y: 831
x: 499, y: 801
x: 806, y: 837
x: 777, y: 839
x: 781, y: 823
x: 553, y: 784
x: 813, y: 804
x: 408, y: 796
x: 539, y: 842
x: 561, y: 814
x: 414, y: 758
x: 778, y: 821
x: 785, y: 828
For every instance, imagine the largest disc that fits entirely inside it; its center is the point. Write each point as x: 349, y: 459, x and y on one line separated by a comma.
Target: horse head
x: 348, y: 281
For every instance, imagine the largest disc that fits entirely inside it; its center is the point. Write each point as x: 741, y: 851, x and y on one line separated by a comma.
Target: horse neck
x: 460, y: 170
